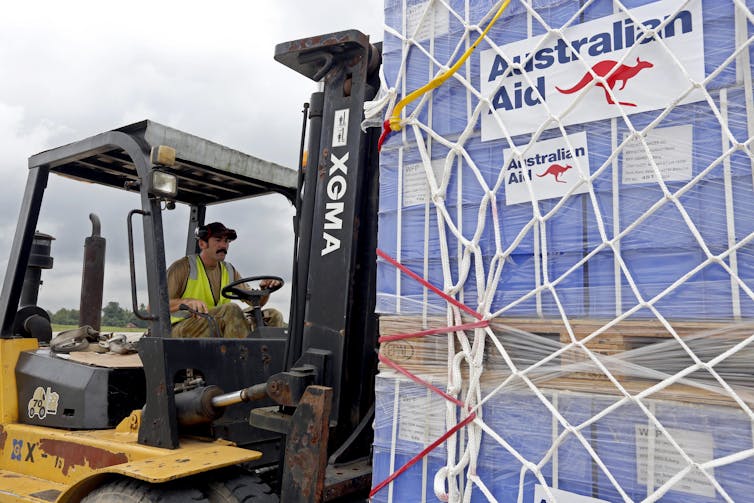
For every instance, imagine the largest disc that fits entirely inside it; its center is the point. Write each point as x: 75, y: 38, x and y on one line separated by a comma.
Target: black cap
x: 214, y: 230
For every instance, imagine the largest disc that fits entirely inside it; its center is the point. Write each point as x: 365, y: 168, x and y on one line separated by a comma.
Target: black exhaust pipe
x: 92, y: 277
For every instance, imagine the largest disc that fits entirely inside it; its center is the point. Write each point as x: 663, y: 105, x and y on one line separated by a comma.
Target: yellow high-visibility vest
x: 197, y: 286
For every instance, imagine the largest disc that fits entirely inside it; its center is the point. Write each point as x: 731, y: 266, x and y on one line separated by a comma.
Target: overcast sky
x: 69, y: 70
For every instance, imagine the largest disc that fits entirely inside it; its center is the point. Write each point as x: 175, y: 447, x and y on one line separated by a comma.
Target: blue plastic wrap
x: 409, y: 418
x: 617, y: 282
x: 523, y: 422
x: 704, y: 432
x: 573, y: 434
x: 705, y: 200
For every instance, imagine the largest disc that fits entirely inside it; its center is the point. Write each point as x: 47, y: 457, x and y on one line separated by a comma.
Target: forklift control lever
x: 211, y: 320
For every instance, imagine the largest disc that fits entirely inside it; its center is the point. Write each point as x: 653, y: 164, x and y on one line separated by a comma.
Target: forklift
x: 282, y: 415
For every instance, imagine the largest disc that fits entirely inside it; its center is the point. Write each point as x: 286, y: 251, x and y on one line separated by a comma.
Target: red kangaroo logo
x: 613, y: 73
x: 556, y: 170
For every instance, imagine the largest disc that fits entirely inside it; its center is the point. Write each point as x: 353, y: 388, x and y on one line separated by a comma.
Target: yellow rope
x: 395, y: 118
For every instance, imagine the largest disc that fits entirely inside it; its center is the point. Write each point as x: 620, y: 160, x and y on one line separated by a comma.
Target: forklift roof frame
x: 207, y: 172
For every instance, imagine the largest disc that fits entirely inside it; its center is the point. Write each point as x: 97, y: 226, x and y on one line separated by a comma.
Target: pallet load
x: 566, y: 245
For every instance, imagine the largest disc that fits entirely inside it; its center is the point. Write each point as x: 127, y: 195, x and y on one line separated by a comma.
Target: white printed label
x: 553, y: 167
x: 437, y: 15
x: 420, y: 419
x: 415, y: 186
x: 641, y: 74
x: 560, y: 496
x: 671, y: 151
x: 340, y: 128
x: 665, y: 461
x: 43, y: 402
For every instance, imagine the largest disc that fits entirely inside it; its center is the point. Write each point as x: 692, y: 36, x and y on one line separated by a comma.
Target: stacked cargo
x: 585, y: 176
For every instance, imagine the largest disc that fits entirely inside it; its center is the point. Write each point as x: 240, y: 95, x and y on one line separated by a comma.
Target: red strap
x: 435, y: 331
x: 428, y: 285
x: 390, y: 363
x: 411, y: 462
x: 385, y: 133
x: 387, y: 361
x: 433, y: 445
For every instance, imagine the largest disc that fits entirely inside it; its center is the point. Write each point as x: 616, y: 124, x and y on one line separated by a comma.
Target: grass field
x: 59, y: 328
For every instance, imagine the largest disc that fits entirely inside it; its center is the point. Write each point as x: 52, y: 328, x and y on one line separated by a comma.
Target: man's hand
x: 269, y: 283
x: 195, y: 304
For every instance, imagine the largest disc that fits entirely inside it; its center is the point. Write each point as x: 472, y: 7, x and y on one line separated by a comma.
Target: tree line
x: 112, y: 316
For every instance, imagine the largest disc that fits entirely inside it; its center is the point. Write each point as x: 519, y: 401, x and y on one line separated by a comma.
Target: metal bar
x: 126, y: 174
x: 256, y: 392
x: 22, y: 242
x: 132, y: 267
x: 204, y: 182
x: 306, y: 449
x: 159, y: 426
x: 110, y: 156
x: 196, y: 218
x: 303, y: 242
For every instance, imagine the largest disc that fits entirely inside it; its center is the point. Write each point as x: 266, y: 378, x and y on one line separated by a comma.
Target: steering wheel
x: 233, y: 291
x: 254, y: 297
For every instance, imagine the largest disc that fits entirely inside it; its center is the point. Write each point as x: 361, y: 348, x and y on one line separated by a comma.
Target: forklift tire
x: 133, y: 491
x: 240, y: 488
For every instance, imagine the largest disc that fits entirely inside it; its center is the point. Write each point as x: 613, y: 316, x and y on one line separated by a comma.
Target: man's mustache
x: 223, y: 250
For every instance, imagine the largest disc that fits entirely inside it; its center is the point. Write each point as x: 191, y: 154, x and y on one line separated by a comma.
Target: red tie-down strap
x: 386, y: 131
x: 387, y: 361
x: 411, y: 274
x: 435, y: 331
x: 411, y: 462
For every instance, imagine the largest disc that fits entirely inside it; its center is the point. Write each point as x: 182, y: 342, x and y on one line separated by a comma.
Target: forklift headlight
x: 164, y: 184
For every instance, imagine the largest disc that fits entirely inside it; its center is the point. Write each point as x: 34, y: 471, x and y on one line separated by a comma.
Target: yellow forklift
x: 282, y: 415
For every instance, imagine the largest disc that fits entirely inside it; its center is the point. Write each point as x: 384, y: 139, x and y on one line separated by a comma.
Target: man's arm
x: 178, y: 274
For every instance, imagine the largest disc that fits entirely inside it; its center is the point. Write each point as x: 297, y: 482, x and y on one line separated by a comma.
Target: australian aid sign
x: 553, y: 168
x: 642, y: 73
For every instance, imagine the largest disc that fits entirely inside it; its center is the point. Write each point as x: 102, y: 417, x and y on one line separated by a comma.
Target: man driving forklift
x: 195, y: 285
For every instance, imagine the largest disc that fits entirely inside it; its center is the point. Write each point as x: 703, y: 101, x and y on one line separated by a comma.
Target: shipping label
x: 415, y: 186
x: 671, y: 149
x: 665, y: 461
x: 421, y: 419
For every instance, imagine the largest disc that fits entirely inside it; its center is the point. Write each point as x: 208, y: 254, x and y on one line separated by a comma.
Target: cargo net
x: 565, y: 272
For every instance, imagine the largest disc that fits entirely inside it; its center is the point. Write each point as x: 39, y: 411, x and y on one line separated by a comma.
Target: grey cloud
x: 205, y: 70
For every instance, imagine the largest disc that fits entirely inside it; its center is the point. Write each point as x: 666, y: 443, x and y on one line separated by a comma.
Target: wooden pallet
x: 625, y: 336
x: 573, y: 370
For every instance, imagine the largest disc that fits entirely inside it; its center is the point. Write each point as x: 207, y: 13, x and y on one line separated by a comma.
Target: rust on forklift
x: 319, y: 41
x: 73, y: 454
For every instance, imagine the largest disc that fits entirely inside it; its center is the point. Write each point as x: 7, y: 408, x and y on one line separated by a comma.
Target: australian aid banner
x: 554, y: 168
x: 647, y: 56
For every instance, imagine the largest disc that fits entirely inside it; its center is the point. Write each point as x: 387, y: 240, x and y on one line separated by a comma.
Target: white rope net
x: 584, y: 183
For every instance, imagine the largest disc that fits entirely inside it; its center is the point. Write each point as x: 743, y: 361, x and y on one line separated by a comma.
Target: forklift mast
x: 332, y: 322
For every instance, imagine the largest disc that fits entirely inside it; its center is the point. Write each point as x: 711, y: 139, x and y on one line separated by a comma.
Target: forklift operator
x: 197, y: 280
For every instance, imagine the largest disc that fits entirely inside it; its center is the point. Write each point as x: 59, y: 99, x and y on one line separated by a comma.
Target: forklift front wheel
x: 240, y: 488
x: 132, y: 491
